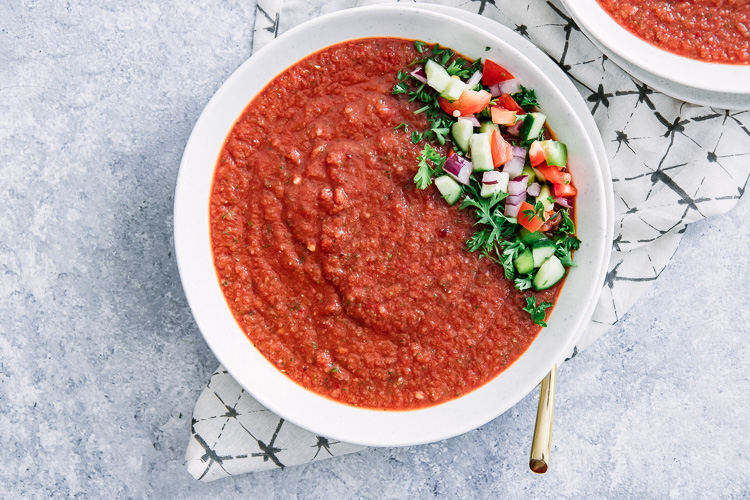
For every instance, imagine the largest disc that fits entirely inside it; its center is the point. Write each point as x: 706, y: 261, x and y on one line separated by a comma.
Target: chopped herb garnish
x: 430, y: 163
x: 511, y: 249
x: 488, y: 214
x: 566, y: 226
x: 400, y: 88
x: 526, y: 98
x: 538, y: 212
x: 537, y: 313
x: 420, y: 46
x: 524, y: 282
x: 440, y: 134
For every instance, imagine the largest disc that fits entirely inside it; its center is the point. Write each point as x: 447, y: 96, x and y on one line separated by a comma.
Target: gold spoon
x: 542, y: 440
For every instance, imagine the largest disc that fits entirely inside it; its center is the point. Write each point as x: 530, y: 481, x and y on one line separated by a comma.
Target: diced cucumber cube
x: 542, y: 253
x: 524, y: 262
x: 450, y: 189
x: 501, y: 187
x: 532, y: 125
x: 549, y: 273
x: 481, y: 154
x: 527, y: 170
x: 555, y: 153
x: 544, y: 195
x: 454, y: 89
x: 462, y: 130
x: 488, y: 127
x: 437, y: 77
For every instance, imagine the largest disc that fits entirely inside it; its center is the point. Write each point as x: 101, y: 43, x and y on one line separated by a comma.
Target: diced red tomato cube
x: 565, y: 190
x: 494, y: 73
x: 502, y: 116
x: 536, y: 154
x: 507, y: 102
x: 532, y: 224
x: 551, y: 173
x: 470, y: 102
x: 502, y: 151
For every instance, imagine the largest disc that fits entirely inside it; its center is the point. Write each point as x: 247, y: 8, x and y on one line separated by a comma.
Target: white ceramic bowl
x: 259, y: 377
x: 710, y: 77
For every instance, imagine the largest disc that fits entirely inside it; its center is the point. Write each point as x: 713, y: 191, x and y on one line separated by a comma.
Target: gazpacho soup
x: 391, y: 222
x: 708, y: 30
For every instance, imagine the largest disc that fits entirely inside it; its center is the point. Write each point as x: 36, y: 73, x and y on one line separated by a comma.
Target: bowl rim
x: 292, y: 397
x: 702, y: 75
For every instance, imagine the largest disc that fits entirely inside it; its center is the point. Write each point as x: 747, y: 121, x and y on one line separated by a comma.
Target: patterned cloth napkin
x: 672, y: 164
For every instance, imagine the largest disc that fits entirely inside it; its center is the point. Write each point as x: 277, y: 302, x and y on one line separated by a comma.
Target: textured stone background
x: 100, y: 361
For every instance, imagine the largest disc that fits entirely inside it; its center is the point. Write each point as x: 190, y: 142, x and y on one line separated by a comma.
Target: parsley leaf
x: 459, y: 68
x: 567, y: 226
x: 420, y: 46
x: 511, y: 249
x: 488, y: 213
x: 565, y: 240
x: 440, y: 133
x: 400, y: 88
x: 524, y: 282
x: 565, y: 246
x: 526, y: 98
x: 423, y: 178
x: 538, y: 212
x: 537, y: 312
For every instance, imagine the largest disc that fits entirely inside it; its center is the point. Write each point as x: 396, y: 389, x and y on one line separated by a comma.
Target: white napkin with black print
x: 672, y: 164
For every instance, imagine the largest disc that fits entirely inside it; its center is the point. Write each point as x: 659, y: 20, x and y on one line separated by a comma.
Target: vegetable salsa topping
x: 523, y: 197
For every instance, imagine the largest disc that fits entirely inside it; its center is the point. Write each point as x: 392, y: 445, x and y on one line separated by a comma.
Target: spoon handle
x: 542, y: 440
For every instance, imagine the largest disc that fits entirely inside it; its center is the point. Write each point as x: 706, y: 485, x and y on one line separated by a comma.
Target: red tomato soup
x: 709, y: 30
x: 349, y: 280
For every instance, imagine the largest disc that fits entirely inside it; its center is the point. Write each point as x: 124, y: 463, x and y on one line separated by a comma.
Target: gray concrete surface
x: 101, y: 362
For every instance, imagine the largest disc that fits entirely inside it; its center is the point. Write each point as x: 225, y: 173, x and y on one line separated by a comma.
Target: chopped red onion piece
x: 459, y: 168
x: 472, y: 119
x: 475, y: 78
x: 534, y: 189
x: 509, y: 86
x: 419, y: 74
x: 495, y: 90
x: 514, y: 167
x: 518, y: 151
x: 512, y: 210
x: 491, y: 177
x: 518, y: 185
x: 514, y: 129
x: 516, y: 199
x: 564, y: 202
